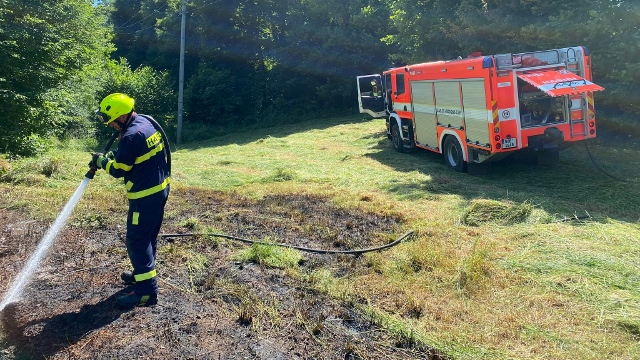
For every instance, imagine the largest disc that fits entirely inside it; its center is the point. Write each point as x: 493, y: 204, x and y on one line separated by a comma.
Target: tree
x: 423, y: 30
x: 135, y: 24
x: 46, y: 45
x: 248, y: 60
x: 612, y: 34
x: 152, y: 90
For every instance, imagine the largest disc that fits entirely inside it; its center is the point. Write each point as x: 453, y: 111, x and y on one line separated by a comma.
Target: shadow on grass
x: 573, y: 187
x: 58, y: 332
x: 246, y: 136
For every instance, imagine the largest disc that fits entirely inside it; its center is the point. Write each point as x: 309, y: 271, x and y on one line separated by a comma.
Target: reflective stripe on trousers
x: 143, y: 225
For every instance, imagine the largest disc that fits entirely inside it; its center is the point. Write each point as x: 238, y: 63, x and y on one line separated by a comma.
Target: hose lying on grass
x: 317, y: 251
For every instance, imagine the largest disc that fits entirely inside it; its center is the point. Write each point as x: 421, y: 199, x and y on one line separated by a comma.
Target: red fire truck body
x: 483, y: 108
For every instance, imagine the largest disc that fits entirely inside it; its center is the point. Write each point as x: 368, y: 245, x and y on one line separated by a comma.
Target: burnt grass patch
x: 210, y: 305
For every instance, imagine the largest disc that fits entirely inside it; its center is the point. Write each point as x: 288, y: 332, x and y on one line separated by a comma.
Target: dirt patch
x: 209, y: 308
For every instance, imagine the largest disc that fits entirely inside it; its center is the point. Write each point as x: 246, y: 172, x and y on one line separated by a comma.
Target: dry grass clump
x: 5, y: 167
x: 30, y: 171
x: 491, y: 211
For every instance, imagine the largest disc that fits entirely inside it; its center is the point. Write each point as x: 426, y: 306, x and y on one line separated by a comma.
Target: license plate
x: 508, y: 143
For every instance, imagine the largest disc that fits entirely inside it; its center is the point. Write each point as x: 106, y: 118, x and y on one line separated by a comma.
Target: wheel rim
x: 453, y: 155
x: 396, y: 137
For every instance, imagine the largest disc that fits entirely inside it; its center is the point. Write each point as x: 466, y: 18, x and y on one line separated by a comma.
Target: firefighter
x: 139, y: 159
x: 375, y: 88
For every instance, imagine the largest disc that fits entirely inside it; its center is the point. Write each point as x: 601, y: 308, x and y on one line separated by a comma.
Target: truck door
x: 370, y: 95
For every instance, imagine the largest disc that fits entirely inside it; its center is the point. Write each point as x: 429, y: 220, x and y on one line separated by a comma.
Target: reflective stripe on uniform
x: 154, y: 139
x: 143, y: 300
x: 148, y: 155
x: 134, y: 219
x: 146, y: 276
x: 147, y: 192
x: 117, y: 165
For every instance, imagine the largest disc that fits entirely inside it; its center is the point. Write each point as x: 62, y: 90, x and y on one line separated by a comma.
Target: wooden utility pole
x: 181, y: 72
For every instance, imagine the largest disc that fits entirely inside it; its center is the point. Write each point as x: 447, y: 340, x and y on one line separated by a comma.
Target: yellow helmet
x: 113, y: 106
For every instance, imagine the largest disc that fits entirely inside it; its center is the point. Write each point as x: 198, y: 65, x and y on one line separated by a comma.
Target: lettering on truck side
x: 448, y: 111
x: 557, y: 81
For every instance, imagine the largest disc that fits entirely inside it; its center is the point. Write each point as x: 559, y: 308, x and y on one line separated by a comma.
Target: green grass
x: 271, y: 256
x: 492, y: 272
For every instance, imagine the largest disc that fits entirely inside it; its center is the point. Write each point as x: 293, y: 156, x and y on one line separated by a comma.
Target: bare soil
x: 225, y: 309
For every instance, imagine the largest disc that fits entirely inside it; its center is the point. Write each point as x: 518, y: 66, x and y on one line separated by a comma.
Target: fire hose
x: 317, y: 251
x: 595, y: 163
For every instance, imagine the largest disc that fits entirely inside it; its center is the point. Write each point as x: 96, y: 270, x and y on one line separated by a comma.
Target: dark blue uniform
x: 140, y: 159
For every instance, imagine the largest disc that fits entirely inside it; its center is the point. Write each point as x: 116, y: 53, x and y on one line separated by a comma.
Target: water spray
x: 32, y: 264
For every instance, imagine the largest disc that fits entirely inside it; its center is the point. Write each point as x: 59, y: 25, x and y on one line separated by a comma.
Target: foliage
x: 151, y: 89
x: 50, y: 50
x: 613, y: 37
x: 262, y: 62
x: 443, y: 29
x: 204, y: 103
x: 268, y: 62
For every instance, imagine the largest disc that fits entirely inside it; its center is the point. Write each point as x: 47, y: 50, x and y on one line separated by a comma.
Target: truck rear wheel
x: 396, y: 138
x: 452, y: 151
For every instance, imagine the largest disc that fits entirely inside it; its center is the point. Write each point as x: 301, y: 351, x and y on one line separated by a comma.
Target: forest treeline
x: 257, y: 63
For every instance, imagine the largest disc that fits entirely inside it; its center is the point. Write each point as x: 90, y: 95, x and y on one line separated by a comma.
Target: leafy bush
x: 51, y: 165
x: 151, y: 89
x: 213, y: 97
x: 50, y: 53
x: 27, y: 145
x: 5, y: 167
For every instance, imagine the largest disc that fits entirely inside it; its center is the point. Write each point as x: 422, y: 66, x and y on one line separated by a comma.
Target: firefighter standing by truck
x: 144, y: 163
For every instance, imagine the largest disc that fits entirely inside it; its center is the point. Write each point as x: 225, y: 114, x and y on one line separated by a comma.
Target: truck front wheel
x: 453, y: 156
x: 396, y: 138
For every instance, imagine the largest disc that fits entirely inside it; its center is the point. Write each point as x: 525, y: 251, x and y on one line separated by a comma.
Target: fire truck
x: 480, y: 109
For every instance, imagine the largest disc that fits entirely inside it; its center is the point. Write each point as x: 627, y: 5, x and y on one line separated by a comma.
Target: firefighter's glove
x: 98, y: 160
x: 110, y: 155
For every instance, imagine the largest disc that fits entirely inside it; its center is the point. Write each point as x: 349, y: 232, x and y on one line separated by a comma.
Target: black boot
x: 128, y: 278
x: 132, y: 300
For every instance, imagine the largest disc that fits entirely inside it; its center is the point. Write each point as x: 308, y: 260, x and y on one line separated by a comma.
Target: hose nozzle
x: 91, y: 173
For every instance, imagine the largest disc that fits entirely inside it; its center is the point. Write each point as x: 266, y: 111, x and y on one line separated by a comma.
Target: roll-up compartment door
x: 424, y: 113
x: 448, y: 108
x: 476, y: 115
